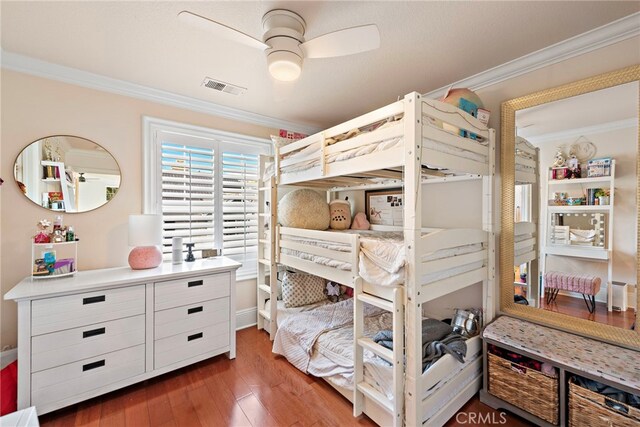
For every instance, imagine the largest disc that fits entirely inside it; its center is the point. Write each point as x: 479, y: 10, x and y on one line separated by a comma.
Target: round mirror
x: 67, y: 173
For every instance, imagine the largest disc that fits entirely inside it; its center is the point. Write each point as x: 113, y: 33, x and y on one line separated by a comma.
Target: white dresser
x: 101, y: 330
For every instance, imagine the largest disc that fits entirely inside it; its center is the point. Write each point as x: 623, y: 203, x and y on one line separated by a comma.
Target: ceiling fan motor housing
x: 284, y: 32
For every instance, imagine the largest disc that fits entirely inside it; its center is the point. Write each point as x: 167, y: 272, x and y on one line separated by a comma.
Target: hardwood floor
x: 575, y: 307
x: 256, y: 389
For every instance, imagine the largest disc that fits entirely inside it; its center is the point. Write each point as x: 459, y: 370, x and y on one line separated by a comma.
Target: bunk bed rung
x: 265, y: 314
x: 376, y: 348
x: 264, y: 261
x: 375, y: 395
x: 264, y: 215
x: 264, y: 188
x: 264, y: 241
x: 375, y: 301
x: 265, y: 288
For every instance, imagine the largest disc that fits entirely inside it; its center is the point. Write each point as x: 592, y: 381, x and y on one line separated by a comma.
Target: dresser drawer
x: 72, y: 311
x: 63, y: 382
x: 189, y: 317
x: 189, y: 344
x: 72, y: 345
x: 191, y: 290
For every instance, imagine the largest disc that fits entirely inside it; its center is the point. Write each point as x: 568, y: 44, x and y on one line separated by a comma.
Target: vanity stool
x: 563, y: 354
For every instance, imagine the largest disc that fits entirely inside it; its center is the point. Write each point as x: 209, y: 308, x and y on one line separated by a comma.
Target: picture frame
x: 385, y: 207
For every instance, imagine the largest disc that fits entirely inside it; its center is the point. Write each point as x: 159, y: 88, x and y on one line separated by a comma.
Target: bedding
x: 382, y: 257
x: 309, y: 156
x: 300, y: 289
x: 331, y: 355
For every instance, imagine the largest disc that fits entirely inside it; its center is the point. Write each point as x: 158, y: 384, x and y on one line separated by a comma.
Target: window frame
x: 186, y: 134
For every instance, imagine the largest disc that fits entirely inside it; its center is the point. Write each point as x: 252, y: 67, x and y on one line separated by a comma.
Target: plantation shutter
x: 240, y: 209
x: 188, y: 191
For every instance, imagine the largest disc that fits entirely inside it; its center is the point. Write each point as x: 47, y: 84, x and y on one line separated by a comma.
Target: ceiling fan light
x: 284, y: 66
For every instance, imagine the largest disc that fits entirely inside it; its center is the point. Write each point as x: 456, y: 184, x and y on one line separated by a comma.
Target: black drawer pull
x: 194, y: 336
x: 195, y: 310
x: 93, y: 365
x: 195, y: 283
x: 93, y: 300
x: 93, y: 332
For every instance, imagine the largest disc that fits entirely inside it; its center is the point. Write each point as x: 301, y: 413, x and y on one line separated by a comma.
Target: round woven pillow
x: 304, y: 209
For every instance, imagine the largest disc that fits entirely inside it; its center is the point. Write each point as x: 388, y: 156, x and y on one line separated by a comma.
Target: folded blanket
x: 453, y: 344
x: 438, y: 339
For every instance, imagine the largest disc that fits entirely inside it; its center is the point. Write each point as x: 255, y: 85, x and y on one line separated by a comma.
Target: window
x: 205, y: 185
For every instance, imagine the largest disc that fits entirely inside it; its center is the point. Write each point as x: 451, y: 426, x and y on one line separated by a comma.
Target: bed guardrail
x: 298, y: 239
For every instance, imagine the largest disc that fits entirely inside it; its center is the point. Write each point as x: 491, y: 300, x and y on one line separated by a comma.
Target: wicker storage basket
x: 528, y: 389
x: 588, y: 408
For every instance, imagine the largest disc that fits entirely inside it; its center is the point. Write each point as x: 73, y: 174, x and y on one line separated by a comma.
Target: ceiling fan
x: 284, y: 43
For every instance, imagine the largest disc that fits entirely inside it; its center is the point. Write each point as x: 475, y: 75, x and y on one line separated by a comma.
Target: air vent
x: 223, y: 87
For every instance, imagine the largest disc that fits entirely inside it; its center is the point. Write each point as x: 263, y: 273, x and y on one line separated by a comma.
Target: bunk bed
x: 404, y: 142
x: 525, y: 235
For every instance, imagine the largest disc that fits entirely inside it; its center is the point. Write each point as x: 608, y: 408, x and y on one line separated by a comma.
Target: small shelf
x: 590, y: 180
x: 51, y: 244
x: 580, y: 208
x: 52, y: 276
x: 52, y: 180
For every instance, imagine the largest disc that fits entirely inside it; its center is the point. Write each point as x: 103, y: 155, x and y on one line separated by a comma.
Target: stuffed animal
x: 360, y: 222
x: 558, y: 160
x: 304, y: 209
x: 340, y: 211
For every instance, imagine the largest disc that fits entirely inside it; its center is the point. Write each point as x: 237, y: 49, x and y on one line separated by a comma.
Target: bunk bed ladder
x: 395, y: 356
x: 267, y: 282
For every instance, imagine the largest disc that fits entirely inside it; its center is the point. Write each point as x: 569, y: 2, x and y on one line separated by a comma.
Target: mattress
x: 309, y: 156
x: 332, y: 355
x: 382, y: 257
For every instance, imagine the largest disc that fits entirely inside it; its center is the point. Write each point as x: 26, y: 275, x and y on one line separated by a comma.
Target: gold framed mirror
x: 623, y: 335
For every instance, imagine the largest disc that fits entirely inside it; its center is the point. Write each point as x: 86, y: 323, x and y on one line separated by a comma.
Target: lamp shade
x: 145, y: 230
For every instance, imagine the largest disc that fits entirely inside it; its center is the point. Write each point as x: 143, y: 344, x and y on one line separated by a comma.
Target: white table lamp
x: 145, y: 233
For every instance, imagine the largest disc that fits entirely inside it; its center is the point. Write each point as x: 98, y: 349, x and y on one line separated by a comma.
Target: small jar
x: 71, y: 235
x: 58, y: 237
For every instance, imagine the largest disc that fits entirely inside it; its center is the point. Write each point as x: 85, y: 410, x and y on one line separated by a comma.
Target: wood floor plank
x: 223, y: 398
x: 136, y: 411
x: 226, y: 371
x: 257, y: 414
x: 112, y: 414
x: 204, y: 406
x: 158, y: 404
x: 88, y: 413
x: 183, y: 412
x: 286, y: 408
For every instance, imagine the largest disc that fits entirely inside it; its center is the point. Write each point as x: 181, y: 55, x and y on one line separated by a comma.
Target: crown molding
x: 586, y: 130
x: 614, y: 32
x: 36, y: 67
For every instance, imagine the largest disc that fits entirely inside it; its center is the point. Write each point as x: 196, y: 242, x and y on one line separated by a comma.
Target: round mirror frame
x: 65, y: 136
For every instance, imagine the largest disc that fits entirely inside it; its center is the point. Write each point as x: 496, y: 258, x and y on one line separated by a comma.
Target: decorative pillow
x: 304, y: 209
x: 300, y: 289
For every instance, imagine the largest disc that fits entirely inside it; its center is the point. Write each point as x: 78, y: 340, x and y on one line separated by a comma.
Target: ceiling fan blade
x: 220, y: 30
x: 343, y: 42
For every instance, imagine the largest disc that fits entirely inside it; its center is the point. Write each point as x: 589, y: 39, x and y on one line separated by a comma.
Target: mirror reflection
x: 575, y: 210
x: 67, y: 174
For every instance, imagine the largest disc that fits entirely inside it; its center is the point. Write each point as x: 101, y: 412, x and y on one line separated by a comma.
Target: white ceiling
x: 424, y: 46
x: 606, y: 106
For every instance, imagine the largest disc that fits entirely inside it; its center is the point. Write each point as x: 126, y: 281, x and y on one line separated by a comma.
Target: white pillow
x: 300, y: 289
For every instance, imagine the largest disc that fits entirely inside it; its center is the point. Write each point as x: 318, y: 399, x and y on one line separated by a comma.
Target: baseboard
x: 246, y: 318
x: 7, y: 357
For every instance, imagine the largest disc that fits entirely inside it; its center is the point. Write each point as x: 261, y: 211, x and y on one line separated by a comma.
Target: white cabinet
x: 86, y: 335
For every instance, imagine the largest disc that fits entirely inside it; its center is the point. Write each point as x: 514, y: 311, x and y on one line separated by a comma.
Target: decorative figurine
x: 190, y: 257
x: 558, y: 160
x: 43, y: 233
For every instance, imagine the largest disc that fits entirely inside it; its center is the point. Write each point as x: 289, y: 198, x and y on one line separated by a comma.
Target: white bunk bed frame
x: 403, y: 162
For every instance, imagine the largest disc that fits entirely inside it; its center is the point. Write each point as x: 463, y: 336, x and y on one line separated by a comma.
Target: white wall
x: 622, y: 145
